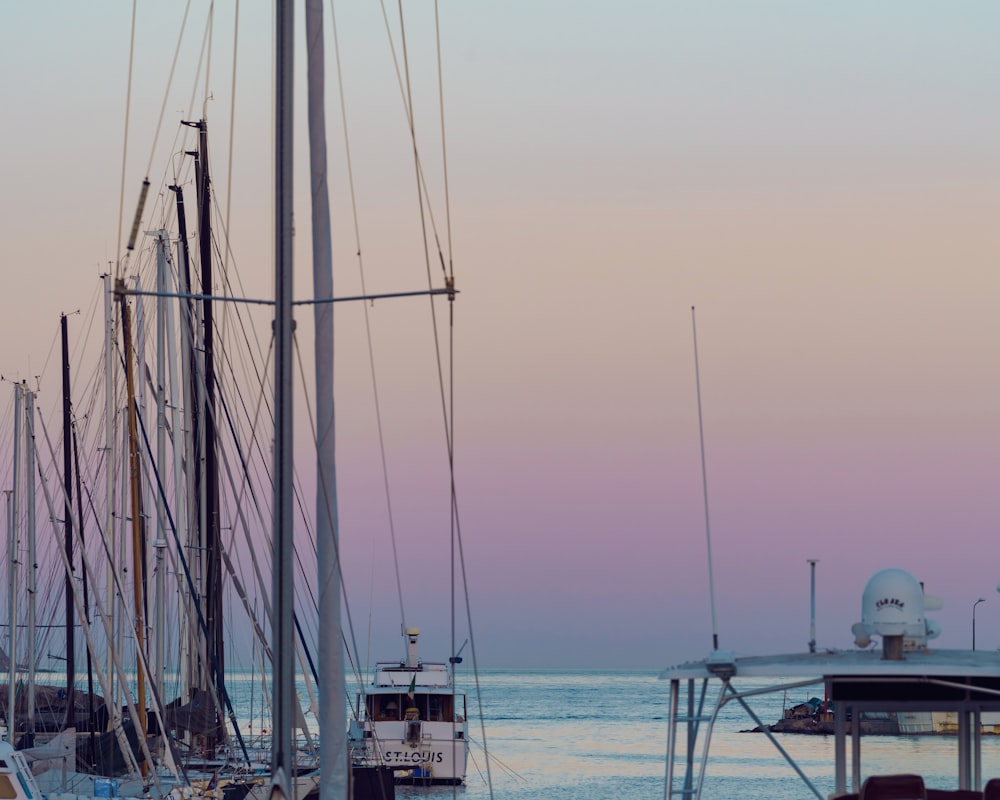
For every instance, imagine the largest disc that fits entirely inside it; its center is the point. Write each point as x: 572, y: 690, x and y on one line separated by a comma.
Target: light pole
x: 980, y: 600
x: 812, y: 604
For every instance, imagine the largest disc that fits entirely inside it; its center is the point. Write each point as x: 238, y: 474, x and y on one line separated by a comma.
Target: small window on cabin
x: 7, y: 790
x: 388, y: 708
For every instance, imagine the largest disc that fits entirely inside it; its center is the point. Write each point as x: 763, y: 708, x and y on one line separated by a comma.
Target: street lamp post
x: 980, y: 600
x: 812, y: 604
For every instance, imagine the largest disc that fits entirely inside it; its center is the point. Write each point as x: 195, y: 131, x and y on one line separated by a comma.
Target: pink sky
x: 822, y: 183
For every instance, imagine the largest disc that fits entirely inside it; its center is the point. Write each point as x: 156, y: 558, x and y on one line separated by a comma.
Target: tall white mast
x: 332, y: 716
x: 12, y: 550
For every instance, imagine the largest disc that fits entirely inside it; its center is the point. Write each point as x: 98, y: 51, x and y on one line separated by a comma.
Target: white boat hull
x: 438, y: 755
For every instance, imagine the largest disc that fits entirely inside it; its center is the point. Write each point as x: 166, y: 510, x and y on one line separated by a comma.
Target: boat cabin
x: 413, y: 689
x: 428, y: 707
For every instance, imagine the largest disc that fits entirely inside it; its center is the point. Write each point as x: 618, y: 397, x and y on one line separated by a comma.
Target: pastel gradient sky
x: 822, y: 180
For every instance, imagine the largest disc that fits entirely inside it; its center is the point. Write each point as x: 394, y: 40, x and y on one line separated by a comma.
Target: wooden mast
x: 137, y: 517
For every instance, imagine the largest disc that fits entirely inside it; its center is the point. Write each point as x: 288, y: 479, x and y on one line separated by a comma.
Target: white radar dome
x: 893, y: 604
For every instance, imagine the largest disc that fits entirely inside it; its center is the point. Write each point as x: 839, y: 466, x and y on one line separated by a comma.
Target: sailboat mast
x: 178, y: 443
x: 282, y: 629
x: 109, y: 459
x: 209, y: 523
x: 29, y: 486
x: 86, y: 582
x: 199, y: 539
x: 11, y: 616
x: 213, y: 545
x: 140, y: 400
x: 137, y: 537
x: 162, y: 245
x: 332, y: 716
x: 12, y: 550
x: 190, y: 497
x: 68, y: 529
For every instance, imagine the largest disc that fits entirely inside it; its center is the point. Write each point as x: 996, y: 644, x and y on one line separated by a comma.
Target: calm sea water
x: 601, y: 735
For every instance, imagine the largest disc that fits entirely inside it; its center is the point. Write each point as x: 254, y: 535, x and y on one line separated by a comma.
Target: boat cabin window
x: 386, y: 707
x: 430, y: 707
x: 440, y: 707
x: 7, y: 789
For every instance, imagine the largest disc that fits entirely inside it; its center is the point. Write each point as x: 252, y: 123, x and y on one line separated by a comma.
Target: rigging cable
x: 202, y: 57
x: 368, y: 329
x: 450, y: 418
x: 349, y: 639
x: 245, y: 465
x: 209, y: 30
x: 447, y: 398
x: 128, y: 107
x: 704, y: 484
x: 406, y: 107
x: 315, y: 438
x: 246, y: 528
x: 261, y: 375
x: 421, y: 194
x: 170, y: 81
x: 261, y: 379
x: 254, y: 439
x: 229, y: 166
x: 444, y: 142
x: 220, y: 685
x: 244, y: 524
x: 167, y: 511
x: 129, y: 756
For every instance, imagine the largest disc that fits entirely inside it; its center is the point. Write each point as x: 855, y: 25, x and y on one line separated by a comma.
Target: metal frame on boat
x: 905, y: 676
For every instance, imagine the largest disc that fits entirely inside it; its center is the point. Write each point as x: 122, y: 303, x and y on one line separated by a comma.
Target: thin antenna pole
x: 704, y: 484
x: 812, y: 604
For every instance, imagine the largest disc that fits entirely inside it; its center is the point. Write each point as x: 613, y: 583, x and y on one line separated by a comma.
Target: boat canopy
x: 424, y: 674
x: 965, y: 682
